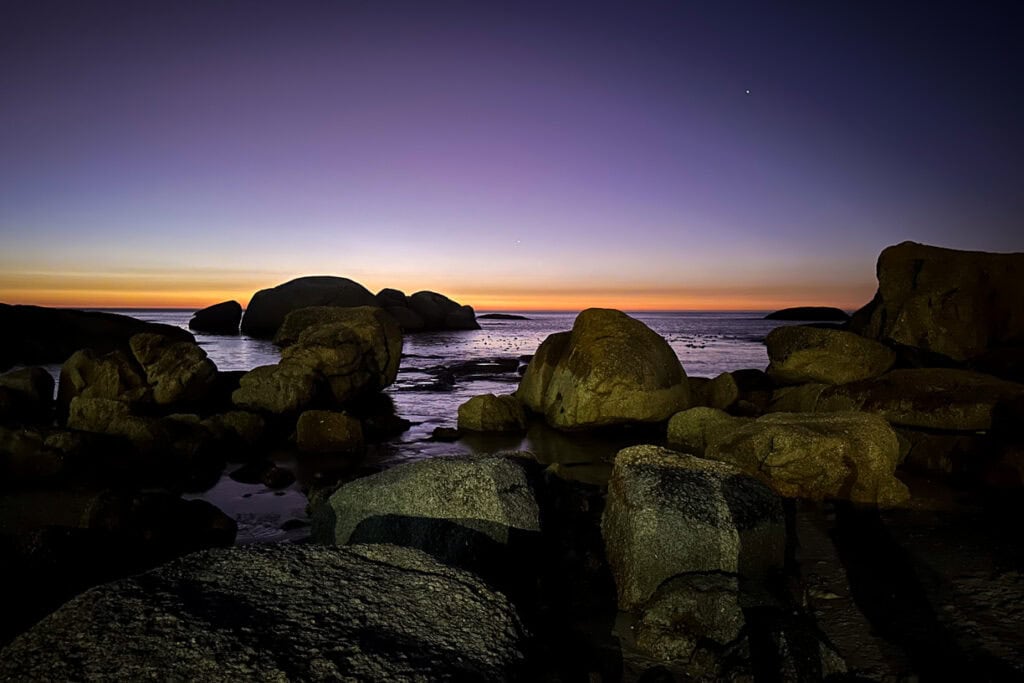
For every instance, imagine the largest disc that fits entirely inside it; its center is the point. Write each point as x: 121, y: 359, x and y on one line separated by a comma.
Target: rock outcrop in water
x: 609, y: 370
x: 810, y: 314
x: 222, y: 318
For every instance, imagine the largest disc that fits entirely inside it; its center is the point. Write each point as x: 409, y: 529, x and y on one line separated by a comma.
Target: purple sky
x: 510, y: 154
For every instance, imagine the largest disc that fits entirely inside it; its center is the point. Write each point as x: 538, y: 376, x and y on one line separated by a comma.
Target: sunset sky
x: 513, y: 155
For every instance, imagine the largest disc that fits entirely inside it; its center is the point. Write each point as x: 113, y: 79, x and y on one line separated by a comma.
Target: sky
x: 513, y: 155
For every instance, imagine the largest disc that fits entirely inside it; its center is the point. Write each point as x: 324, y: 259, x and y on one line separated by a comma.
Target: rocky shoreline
x: 806, y: 521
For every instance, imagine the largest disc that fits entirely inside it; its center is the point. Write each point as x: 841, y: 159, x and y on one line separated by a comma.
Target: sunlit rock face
x: 849, y: 456
x: 280, y: 612
x: 956, y: 303
x: 609, y: 370
x: 798, y: 354
x: 490, y: 413
x: 268, y: 307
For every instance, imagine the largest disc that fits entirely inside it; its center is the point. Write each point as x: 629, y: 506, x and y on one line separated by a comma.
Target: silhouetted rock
x: 388, y: 298
x: 490, y: 413
x: 408, y: 319
x: 610, y: 369
x: 669, y: 514
x: 848, y: 456
x: 799, y: 354
x: 326, y: 431
x: 268, y: 307
x: 956, y: 303
x: 501, y: 316
x: 26, y: 394
x: 280, y: 612
x: 37, y: 335
x: 930, y: 398
x: 441, y: 313
x: 222, y: 318
x: 810, y: 313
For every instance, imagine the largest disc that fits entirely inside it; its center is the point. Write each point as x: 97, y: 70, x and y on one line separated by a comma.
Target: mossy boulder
x: 610, y: 369
x: 114, y: 375
x: 328, y: 431
x: 800, y: 398
x: 669, y: 514
x: 490, y: 413
x: 692, y: 430
x: 798, y: 354
x: 177, y: 371
x: 742, y: 392
x: 277, y: 389
x: 847, y: 456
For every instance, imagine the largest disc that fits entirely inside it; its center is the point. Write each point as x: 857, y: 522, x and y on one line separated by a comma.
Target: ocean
x: 441, y: 370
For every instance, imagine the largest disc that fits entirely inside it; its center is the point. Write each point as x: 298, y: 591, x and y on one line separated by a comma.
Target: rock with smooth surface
x: 438, y: 312
x: 280, y: 612
x: 959, y: 304
x: 798, y: 354
x: 327, y: 431
x: 490, y: 413
x: 669, y: 514
x: 846, y: 456
x: 610, y: 369
x: 809, y: 314
x: 268, y: 307
x: 222, y: 318
x: 929, y: 398
x: 692, y: 430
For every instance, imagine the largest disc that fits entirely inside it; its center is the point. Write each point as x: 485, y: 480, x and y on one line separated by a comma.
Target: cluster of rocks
x: 268, y: 308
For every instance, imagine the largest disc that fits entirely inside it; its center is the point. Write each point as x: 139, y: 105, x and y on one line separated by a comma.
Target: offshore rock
x: 848, y: 456
x: 36, y: 335
x: 798, y: 354
x: 959, y: 304
x: 669, y: 514
x: 810, y: 314
x: 610, y: 369
x: 268, y: 307
x: 490, y: 413
x: 441, y: 313
x: 280, y: 612
x: 929, y: 398
x: 222, y: 318
x: 178, y: 372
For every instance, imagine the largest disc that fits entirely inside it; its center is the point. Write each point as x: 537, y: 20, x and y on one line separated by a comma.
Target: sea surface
x: 441, y: 370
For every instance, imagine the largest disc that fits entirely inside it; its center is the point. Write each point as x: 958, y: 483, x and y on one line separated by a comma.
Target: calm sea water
x: 434, y: 380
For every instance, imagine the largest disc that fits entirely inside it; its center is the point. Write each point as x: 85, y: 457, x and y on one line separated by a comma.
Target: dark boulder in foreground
x: 810, y: 314
x: 960, y: 304
x: 222, y: 318
x: 268, y: 307
x: 34, y: 334
x: 279, y: 612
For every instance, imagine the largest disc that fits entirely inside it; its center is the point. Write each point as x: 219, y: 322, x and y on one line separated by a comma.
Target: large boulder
x: 848, y: 456
x: 669, y: 514
x: 37, y: 335
x: 930, y: 398
x: 268, y: 307
x: 692, y: 430
x: 810, y: 314
x: 743, y: 392
x: 799, y: 354
x: 959, y: 304
x: 280, y: 612
x: 610, y: 369
x: 114, y: 375
x: 490, y: 413
x: 222, y: 318
x: 441, y: 313
x: 461, y: 509
x: 280, y: 389
x: 178, y: 371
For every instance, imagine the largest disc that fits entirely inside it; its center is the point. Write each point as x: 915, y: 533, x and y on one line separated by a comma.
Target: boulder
x: 280, y: 612
x: 356, y: 356
x: 929, y: 398
x: 810, y: 313
x: 178, y: 372
x: 326, y: 431
x: 162, y: 519
x: 437, y: 504
x: 109, y: 416
x: 847, y: 456
x: 798, y: 354
x: 408, y: 319
x: 959, y: 304
x: 743, y: 392
x: 801, y: 398
x: 610, y: 369
x: 113, y: 375
x: 268, y: 307
x: 222, y: 318
x: 26, y: 394
x: 669, y: 514
x: 441, y: 313
x: 38, y: 335
x: 280, y: 389
x: 692, y: 430
x: 699, y: 390
x: 490, y: 413
x: 373, y: 330
x: 388, y: 298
